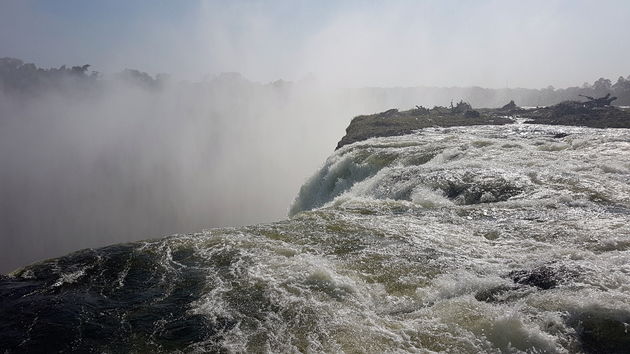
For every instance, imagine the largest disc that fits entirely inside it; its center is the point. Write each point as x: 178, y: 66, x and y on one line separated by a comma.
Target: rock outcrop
x: 595, y: 113
x: 393, y: 122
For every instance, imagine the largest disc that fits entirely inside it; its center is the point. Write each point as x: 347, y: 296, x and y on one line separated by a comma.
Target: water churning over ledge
x: 510, y: 238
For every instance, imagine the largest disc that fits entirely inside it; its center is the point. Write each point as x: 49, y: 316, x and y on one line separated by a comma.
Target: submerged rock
x: 602, y: 330
x: 542, y: 277
x: 496, y: 294
x: 560, y: 135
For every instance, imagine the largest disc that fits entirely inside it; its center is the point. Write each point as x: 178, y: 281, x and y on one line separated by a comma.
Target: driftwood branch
x: 598, y: 102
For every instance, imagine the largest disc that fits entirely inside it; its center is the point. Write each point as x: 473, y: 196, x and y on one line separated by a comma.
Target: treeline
x: 18, y: 77
x: 551, y: 95
x: 479, y: 97
x: 26, y: 78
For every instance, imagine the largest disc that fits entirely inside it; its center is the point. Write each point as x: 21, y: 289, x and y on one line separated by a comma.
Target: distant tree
x: 621, y: 84
x: 26, y: 78
x: 602, y: 84
x: 137, y: 77
x: 80, y: 70
x: 621, y: 89
x: 10, y: 63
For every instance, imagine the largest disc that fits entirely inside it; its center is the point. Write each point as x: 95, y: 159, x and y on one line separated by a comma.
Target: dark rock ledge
x: 595, y: 113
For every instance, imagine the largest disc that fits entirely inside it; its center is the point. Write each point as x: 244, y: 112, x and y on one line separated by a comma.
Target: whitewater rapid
x: 498, y: 239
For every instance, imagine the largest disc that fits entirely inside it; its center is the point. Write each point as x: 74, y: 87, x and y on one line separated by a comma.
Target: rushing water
x: 464, y: 240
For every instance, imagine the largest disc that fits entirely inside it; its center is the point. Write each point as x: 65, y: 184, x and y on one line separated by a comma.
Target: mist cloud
x: 88, y: 162
x: 119, y: 161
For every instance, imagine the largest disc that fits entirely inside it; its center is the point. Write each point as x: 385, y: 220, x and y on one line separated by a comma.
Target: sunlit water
x: 463, y: 240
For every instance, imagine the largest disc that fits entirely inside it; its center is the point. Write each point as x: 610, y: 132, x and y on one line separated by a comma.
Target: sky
x: 485, y: 43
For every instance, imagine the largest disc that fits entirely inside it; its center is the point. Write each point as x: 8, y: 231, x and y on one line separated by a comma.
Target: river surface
x: 497, y: 239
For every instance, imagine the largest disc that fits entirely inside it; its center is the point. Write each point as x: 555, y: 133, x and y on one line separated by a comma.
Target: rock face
x: 579, y: 114
x: 392, y: 122
x: 575, y: 113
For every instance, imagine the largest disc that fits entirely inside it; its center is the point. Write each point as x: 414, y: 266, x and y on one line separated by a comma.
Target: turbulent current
x: 498, y: 239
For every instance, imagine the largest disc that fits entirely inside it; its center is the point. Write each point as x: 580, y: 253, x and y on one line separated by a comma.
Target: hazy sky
x: 349, y: 43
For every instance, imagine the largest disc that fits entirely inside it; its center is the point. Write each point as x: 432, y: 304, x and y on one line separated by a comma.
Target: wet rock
x: 496, y: 294
x: 602, y: 330
x: 544, y: 277
x: 477, y: 192
x: 492, y: 235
